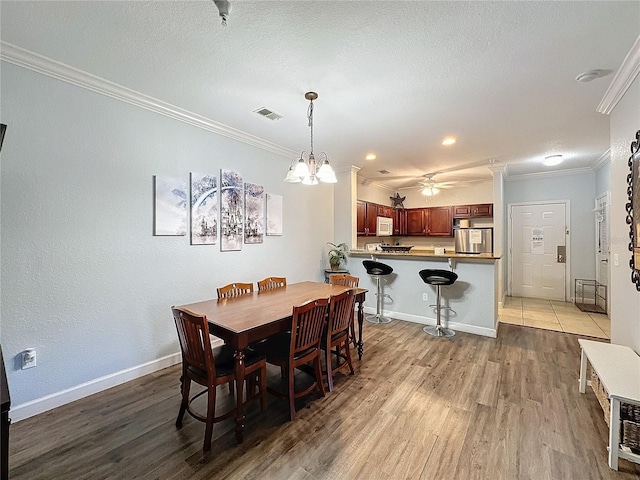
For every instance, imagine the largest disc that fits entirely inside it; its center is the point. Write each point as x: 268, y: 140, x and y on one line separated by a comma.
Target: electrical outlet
x: 29, y: 358
x: 425, y: 297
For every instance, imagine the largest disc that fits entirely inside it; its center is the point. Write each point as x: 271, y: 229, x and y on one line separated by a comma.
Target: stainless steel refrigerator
x: 473, y: 240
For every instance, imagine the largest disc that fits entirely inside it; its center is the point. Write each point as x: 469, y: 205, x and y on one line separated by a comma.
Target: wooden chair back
x: 235, y: 290
x: 344, y: 279
x: 341, y: 309
x: 271, y: 283
x: 307, y: 326
x: 195, y: 344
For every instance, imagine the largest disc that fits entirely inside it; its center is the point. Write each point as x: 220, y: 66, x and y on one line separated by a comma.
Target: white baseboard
x: 49, y: 402
x: 458, y: 327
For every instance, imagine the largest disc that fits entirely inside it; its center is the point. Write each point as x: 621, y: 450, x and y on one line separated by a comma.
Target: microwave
x: 384, y: 226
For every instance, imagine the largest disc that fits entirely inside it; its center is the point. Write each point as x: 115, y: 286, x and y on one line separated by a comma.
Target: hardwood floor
x: 418, y: 407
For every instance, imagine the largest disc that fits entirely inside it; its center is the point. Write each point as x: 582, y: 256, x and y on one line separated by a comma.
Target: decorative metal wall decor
x: 231, y: 218
x: 253, y: 213
x: 633, y: 209
x: 170, y: 206
x: 274, y: 214
x: 204, y: 209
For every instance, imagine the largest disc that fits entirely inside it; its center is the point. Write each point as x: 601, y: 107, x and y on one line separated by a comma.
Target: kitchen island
x: 473, y: 298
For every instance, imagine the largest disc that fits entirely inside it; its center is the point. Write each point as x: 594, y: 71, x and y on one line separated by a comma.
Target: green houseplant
x: 337, y: 254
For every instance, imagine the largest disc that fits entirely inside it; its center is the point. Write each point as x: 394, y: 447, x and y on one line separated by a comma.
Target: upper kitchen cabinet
x: 399, y: 221
x: 471, y: 211
x: 439, y: 222
x: 366, y: 218
x: 430, y: 222
x: 384, y: 211
x: 416, y: 221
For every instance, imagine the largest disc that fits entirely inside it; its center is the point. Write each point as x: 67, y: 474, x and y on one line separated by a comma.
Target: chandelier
x: 309, y: 171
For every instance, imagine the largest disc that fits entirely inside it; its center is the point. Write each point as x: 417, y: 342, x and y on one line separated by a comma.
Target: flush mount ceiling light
x: 306, y: 170
x: 552, y: 160
x: 449, y: 141
x: 370, y: 156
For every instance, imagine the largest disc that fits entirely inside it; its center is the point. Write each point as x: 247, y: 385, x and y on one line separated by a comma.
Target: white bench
x: 618, y: 368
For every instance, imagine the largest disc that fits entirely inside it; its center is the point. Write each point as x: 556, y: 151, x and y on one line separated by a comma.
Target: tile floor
x: 554, y: 315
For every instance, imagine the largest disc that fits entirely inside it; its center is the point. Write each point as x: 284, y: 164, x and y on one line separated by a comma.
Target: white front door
x: 538, y: 267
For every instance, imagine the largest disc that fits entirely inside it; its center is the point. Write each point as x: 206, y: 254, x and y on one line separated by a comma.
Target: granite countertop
x: 424, y: 253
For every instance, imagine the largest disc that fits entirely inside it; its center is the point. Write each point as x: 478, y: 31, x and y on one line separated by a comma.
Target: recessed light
x: 449, y: 141
x: 370, y: 156
x: 552, y: 160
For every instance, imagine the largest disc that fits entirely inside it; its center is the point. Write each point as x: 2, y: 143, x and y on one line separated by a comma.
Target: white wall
x: 624, y: 298
x: 580, y: 190
x: 603, y: 180
x: 84, y: 281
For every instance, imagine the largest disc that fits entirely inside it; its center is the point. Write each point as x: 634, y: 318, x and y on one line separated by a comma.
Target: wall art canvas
x: 170, y: 206
x: 274, y: 214
x: 253, y: 213
x: 231, y: 218
x: 204, y: 209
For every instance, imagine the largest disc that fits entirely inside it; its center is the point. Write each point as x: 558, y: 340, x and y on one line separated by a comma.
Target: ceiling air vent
x: 265, y: 112
x: 384, y: 172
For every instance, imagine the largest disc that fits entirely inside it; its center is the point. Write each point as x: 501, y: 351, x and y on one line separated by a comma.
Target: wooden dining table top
x: 249, y: 311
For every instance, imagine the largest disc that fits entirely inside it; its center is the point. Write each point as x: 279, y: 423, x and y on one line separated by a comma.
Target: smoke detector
x: 589, y: 75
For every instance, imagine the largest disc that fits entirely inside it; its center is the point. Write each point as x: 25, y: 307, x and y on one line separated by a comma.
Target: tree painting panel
x: 253, y: 213
x: 231, y: 218
x: 274, y: 214
x: 204, y: 209
x: 170, y: 206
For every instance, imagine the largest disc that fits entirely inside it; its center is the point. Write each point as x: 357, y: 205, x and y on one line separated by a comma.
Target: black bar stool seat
x: 377, y: 270
x: 438, y: 278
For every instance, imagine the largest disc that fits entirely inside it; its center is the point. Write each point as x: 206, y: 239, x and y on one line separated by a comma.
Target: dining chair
x: 235, y: 289
x: 337, y: 333
x: 344, y: 279
x: 210, y: 368
x: 298, y: 347
x: 347, y: 281
x: 271, y: 283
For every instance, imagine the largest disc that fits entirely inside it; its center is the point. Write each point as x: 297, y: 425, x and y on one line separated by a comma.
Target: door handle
x: 605, y: 260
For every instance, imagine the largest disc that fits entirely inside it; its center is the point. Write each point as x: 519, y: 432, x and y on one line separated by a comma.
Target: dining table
x: 252, y: 317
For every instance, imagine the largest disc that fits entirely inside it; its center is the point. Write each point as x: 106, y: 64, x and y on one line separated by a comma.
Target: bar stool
x: 377, y: 270
x: 438, y: 278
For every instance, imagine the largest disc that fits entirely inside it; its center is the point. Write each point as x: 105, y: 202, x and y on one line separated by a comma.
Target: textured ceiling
x: 393, y: 77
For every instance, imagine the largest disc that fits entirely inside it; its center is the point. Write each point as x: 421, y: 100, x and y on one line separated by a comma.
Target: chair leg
x: 231, y: 387
x: 329, y: 368
x: 211, y: 411
x: 292, y: 400
x: 263, y: 389
x: 319, y: 379
x: 348, y: 354
x: 184, y: 403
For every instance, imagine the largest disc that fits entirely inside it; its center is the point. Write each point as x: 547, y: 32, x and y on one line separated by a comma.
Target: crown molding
x: 602, y: 161
x: 623, y: 79
x: 32, y: 61
x: 555, y: 173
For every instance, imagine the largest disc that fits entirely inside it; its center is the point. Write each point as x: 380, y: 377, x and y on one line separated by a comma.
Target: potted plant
x: 337, y: 254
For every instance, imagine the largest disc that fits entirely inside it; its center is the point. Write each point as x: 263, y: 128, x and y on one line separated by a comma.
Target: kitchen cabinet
x: 430, y: 222
x: 439, y: 222
x: 366, y: 218
x: 415, y: 219
x: 399, y: 221
x: 471, y: 211
x: 384, y: 211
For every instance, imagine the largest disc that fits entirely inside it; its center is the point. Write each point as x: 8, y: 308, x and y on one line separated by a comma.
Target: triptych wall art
x: 232, y: 209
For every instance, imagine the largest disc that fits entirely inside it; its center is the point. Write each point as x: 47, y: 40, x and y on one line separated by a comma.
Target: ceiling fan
x: 429, y: 186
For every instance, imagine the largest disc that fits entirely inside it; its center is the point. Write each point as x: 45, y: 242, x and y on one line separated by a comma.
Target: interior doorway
x: 602, y: 240
x: 539, y: 250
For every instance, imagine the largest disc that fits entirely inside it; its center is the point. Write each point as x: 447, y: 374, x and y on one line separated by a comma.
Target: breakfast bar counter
x: 473, y: 298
